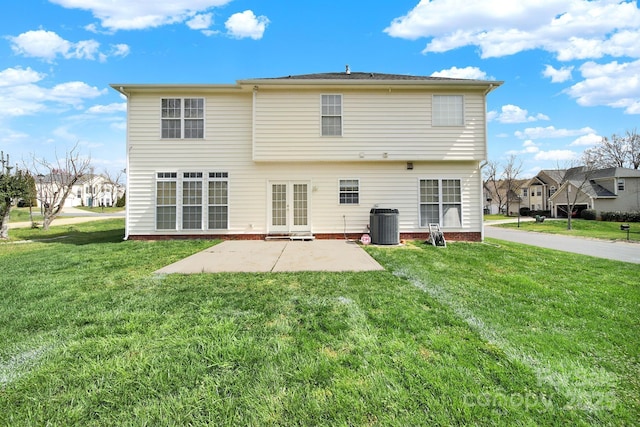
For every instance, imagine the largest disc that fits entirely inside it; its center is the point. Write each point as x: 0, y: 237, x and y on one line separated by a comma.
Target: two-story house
x: 604, y: 190
x: 308, y: 154
x: 536, y: 192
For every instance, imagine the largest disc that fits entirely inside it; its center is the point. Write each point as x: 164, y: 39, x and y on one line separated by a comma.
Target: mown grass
x: 581, y: 228
x: 471, y: 334
x: 22, y: 214
x: 98, y: 209
x: 493, y: 217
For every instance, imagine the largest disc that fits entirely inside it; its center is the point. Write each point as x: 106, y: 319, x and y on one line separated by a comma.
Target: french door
x: 289, y: 206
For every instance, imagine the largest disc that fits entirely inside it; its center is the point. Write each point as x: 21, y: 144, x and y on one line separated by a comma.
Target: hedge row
x: 621, y: 216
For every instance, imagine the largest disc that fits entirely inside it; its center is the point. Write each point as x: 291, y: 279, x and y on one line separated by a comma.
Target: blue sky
x: 571, y: 67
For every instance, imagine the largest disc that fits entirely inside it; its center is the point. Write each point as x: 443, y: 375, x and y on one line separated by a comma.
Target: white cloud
x: 557, y: 76
x: 246, y: 24
x: 557, y: 155
x: 551, y: 132
x: 462, y: 73
x: 116, y: 107
x: 117, y: 15
x: 587, y: 140
x: 571, y: 29
x: 514, y: 114
x: 21, y: 95
x: 612, y: 84
x: 200, y: 22
x: 528, y: 147
x: 47, y: 45
x: 19, y: 76
x: 120, y: 50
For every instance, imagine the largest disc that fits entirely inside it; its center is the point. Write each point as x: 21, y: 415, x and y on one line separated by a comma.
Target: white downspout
x: 127, y: 171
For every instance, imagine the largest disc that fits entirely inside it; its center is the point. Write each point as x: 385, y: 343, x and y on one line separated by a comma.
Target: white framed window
x: 447, y: 110
x: 331, y: 115
x: 182, y: 118
x: 192, y: 201
x: 166, y: 198
x: 524, y: 192
x: 440, y: 202
x: 218, y: 200
x: 349, y: 191
x: 621, y: 185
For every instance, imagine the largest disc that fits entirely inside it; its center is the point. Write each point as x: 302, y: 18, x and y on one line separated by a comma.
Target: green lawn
x: 22, y: 214
x: 98, y: 209
x: 582, y: 228
x: 493, y: 217
x: 470, y: 334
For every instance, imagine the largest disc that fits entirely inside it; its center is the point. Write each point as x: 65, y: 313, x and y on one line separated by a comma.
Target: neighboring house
x: 90, y: 190
x: 308, y: 154
x: 604, y: 190
x: 536, y: 192
x: 499, y: 197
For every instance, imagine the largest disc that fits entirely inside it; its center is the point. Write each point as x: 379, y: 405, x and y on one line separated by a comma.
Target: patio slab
x: 276, y: 256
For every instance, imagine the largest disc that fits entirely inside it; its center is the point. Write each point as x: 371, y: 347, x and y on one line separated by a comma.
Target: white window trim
x: 341, y: 115
x: 433, y: 97
x: 181, y: 205
x: 359, y: 191
x: 155, y: 199
x: 182, y: 118
x: 205, y: 195
x: 440, y: 202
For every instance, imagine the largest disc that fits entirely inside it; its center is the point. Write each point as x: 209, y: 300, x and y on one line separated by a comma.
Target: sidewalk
x: 80, y: 216
x: 609, y: 249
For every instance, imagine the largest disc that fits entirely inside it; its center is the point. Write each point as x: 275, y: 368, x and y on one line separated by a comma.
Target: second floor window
x: 331, y: 115
x: 448, y: 110
x: 182, y: 118
x: 621, y: 185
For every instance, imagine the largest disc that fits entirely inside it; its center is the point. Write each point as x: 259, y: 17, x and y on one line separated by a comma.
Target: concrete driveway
x: 275, y: 256
x: 615, y: 250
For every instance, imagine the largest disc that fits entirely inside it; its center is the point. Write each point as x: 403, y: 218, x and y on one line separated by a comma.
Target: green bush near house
x: 588, y: 214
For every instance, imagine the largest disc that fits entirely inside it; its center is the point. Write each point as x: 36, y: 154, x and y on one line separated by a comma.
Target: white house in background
x: 310, y: 154
x: 90, y: 190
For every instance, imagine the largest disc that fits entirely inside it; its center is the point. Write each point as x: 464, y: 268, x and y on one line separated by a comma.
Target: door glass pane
x: 279, y: 204
x: 300, y: 204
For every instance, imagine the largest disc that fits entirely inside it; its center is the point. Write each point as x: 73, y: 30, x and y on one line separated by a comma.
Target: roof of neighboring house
x: 595, y: 190
x: 615, y: 173
x: 548, y: 177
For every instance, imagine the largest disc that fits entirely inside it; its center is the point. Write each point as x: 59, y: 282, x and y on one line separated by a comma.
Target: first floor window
x: 218, y: 200
x: 192, y: 201
x: 349, y: 192
x: 166, y: 186
x: 440, y: 202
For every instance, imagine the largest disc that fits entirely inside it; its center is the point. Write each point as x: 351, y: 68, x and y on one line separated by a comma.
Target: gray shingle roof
x: 358, y: 76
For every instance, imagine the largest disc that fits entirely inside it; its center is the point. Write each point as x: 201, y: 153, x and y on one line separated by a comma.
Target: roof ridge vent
x: 347, y: 70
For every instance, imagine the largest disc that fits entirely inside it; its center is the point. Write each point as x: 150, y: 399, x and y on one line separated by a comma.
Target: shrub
x: 525, y: 211
x: 540, y: 213
x: 618, y: 216
x: 121, y: 201
x: 589, y: 214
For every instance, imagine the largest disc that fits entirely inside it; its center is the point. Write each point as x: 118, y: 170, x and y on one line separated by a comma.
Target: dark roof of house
x: 615, y: 173
x: 357, y: 76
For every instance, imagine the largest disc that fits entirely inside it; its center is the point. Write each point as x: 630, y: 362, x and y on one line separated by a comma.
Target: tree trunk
x: 569, y: 210
x: 5, y: 212
x: 47, y: 220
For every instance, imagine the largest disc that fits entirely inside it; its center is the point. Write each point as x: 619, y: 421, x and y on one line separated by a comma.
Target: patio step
x: 290, y: 236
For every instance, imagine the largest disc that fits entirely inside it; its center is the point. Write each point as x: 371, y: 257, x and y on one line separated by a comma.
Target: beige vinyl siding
x: 227, y: 147
x: 377, y: 124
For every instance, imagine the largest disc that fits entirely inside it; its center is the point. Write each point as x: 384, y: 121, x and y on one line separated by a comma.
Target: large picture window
x: 331, y: 115
x: 182, y: 118
x: 448, y: 110
x: 440, y: 202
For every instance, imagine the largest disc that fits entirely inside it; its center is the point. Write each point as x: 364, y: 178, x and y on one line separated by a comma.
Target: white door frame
x: 288, y: 211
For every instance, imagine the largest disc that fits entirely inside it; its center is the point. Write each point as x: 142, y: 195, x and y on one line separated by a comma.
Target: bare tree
x: 493, y: 183
x: 56, y: 180
x: 573, y: 185
x: 617, y: 151
x: 114, y: 182
x: 510, y: 175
